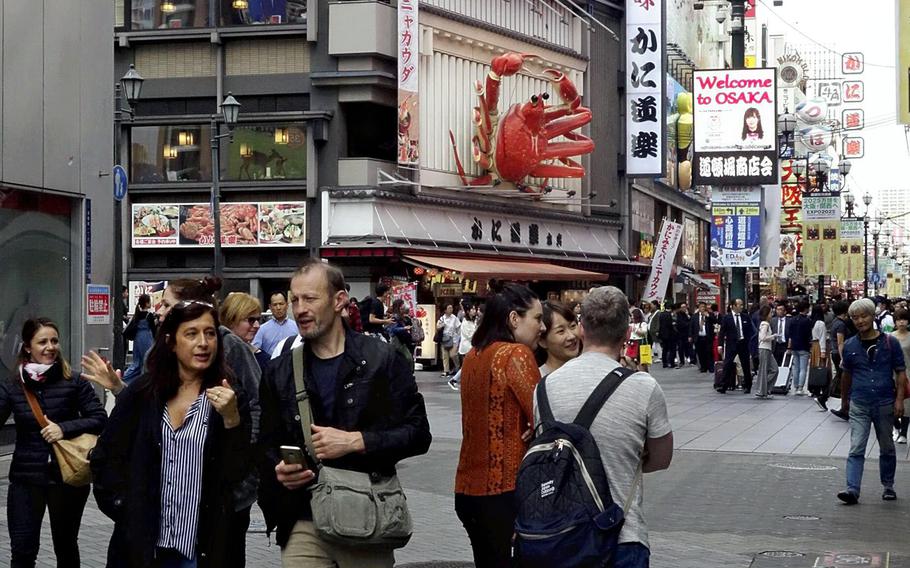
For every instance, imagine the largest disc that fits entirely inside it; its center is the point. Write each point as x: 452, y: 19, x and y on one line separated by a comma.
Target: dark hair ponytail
x: 190, y: 289
x: 494, y: 326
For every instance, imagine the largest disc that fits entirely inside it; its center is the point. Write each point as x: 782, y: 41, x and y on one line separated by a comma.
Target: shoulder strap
x: 303, y: 401
x: 33, y: 404
x: 544, y: 412
x: 600, y: 395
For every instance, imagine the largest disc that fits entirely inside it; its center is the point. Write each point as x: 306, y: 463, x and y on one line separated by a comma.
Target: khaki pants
x: 306, y: 550
x: 449, y: 358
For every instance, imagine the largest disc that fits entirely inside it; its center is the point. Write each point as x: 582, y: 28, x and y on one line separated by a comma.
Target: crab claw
x: 508, y: 63
x: 567, y: 90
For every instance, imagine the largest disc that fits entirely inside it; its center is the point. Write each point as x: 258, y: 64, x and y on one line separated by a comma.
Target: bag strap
x: 33, y: 404
x: 544, y: 412
x: 600, y: 395
x: 303, y: 402
x: 635, y: 483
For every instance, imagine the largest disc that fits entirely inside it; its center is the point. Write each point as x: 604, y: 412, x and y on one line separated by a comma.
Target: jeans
x: 490, y: 523
x: 862, y: 418
x: 26, y: 504
x: 632, y: 555
x: 801, y: 365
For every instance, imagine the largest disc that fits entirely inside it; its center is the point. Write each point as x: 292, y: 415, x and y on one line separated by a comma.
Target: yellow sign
x: 903, y: 61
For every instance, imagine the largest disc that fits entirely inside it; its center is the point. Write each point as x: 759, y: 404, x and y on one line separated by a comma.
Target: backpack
x: 566, y: 514
x: 417, y: 333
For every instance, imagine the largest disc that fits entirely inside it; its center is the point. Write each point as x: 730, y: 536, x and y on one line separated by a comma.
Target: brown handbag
x: 72, y: 455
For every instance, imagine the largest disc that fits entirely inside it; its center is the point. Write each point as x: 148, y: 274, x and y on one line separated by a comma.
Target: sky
x: 869, y: 27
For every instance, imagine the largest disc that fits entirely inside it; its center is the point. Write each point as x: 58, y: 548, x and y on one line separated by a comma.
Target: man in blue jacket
x: 736, y: 332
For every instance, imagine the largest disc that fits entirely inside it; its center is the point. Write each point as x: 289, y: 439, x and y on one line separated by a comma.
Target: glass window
x: 118, y: 13
x: 265, y: 151
x: 165, y: 14
x: 161, y: 154
x: 35, y: 251
x: 247, y: 12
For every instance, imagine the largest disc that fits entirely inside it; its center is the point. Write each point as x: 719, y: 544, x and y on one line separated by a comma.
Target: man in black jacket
x: 666, y: 334
x: 367, y: 415
x: 683, y: 336
x: 736, y: 332
x: 702, y: 333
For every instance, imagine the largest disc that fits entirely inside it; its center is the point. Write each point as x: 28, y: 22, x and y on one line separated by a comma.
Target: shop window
x: 258, y: 12
x: 169, y: 14
x: 371, y: 131
x: 36, y: 245
x: 264, y: 152
x: 163, y: 154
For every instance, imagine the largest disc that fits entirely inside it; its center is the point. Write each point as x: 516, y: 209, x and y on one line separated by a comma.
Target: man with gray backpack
x: 598, y: 428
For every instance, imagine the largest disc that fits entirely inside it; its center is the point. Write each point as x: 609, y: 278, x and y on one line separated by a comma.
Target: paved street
x: 742, y: 466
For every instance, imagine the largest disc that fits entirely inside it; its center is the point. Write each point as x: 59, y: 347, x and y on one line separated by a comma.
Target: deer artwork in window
x: 260, y: 160
x: 519, y: 143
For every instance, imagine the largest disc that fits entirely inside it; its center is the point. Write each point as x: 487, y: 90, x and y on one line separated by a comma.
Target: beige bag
x: 72, y: 455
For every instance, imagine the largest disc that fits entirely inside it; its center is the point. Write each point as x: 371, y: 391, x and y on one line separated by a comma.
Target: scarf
x: 37, y: 371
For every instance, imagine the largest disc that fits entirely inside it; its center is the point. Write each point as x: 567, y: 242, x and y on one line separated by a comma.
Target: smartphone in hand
x: 296, y: 455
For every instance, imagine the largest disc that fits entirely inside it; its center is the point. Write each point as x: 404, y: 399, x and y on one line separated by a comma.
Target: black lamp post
x: 129, y: 87
x: 230, y: 108
x: 867, y: 199
x: 876, y: 231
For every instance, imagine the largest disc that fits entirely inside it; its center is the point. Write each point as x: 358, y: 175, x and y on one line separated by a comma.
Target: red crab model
x: 519, y: 144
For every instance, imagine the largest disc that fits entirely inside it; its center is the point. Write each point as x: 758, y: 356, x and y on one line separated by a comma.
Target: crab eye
x: 534, y: 99
x: 545, y: 96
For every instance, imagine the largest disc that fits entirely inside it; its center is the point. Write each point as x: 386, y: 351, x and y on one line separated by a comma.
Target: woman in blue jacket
x: 141, y: 331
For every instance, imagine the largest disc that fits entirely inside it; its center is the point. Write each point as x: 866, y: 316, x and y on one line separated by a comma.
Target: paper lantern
x: 812, y: 111
x: 685, y: 175
x: 817, y: 137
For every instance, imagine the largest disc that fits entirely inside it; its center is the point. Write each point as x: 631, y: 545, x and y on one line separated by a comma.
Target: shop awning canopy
x: 504, y: 269
x: 701, y: 282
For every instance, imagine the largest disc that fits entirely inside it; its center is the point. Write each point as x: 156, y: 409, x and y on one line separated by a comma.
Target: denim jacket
x: 873, y: 382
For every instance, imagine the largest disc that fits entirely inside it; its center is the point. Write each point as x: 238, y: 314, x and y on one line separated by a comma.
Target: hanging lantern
x: 245, y: 150
x: 185, y: 138
x: 281, y: 136
x: 816, y: 138
x: 812, y: 111
x: 240, y: 4
x: 419, y: 271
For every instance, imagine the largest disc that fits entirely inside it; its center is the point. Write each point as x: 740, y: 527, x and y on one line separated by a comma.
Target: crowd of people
x: 217, y: 413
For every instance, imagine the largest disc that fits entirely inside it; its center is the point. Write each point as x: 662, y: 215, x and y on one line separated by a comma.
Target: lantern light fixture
x: 185, y: 138
x: 168, y: 7
x: 240, y: 4
x: 170, y: 152
x: 246, y: 151
x: 281, y: 136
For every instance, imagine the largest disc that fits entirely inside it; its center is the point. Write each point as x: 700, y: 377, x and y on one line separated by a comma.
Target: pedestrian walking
x: 400, y: 330
x: 818, y: 355
x: 872, y: 398
x: 843, y: 329
x: 683, y: 338
x: 902, y: 334
x: 468, y: 327
x: 632, y: 429
x: 559, y: 341
x: 702, y: 333
x: 178, y: 440
x: 240, y: 313
x: 448, y: 329
x: 69, y: 408
x: 736, y: 332
x: 638, y: 336
x: 362, y: 413
x: 767, y: 365
x: 799, y: 342
x: 277, y: 328
x: 498, y: 382
x: 372, y: 312
x: 884, y: 321
x: 780, y: 324
x: 666, y: 334
x: 141, y: 331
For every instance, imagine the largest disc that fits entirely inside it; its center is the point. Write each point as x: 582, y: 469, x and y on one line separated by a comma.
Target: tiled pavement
x: 742, y: 466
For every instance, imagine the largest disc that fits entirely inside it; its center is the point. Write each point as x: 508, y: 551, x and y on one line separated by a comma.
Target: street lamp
x: 230, y: 108
x: 129, y: 87
x: 876, y: 230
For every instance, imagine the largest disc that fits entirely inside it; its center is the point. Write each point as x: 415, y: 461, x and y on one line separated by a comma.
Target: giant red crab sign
x: 519, y: 144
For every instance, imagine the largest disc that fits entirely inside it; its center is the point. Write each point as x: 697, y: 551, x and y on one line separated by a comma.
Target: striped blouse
x: 181, y: 478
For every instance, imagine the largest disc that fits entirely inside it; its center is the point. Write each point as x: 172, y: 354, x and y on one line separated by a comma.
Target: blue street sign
x: 876, y: 278
x: 120, y: 182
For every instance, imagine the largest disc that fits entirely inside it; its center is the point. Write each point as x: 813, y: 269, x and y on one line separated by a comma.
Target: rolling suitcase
x: 782, y: 384
x: 718, y: 375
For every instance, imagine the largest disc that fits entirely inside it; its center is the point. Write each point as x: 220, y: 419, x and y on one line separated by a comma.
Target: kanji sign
x: 735, y: 141
x: 831, y: 91
x: 854, y: 147
x: 645, y: 87
x: 408, y: 68
x: 903, y: 61
x: 853, y: 119
x: 852, y: 63
x: 736, y: 227
x: 98, y: 304
x: 854, y: 92
x: 664, y: 253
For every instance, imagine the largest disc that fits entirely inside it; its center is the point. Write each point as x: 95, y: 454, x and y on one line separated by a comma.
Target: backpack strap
x: 544, y: 412
x: 303, y: 401
x: 600, y: 395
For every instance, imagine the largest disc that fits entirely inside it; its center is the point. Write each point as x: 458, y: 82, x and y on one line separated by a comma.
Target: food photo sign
x: 277, y: 224
x: 735, y: 127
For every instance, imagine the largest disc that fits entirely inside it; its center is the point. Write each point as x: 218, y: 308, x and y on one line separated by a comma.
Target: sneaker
x: 453, y: 385
x: 821, y: 404
x: 851, y: 498
x: 889, y: 495
x: 902, y: 439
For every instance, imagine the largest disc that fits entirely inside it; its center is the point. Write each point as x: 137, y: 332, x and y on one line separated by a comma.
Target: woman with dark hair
x: 141, y: 331
x: 752, y: 129
x: 177, y: 442
x: 818, y: 357
x: 498, y: 379
x: 767, y: 364
x: 71, y: 409
x: 559, y: 340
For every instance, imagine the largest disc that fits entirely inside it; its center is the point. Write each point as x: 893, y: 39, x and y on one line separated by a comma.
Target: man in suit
x: 666, y: 334
x: 736, y: 332
x: 683, y: 335
x: 702, y: 334
x: 780, y: 325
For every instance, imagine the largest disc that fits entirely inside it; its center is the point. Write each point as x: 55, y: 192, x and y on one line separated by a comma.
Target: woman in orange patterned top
x: 497, y: 390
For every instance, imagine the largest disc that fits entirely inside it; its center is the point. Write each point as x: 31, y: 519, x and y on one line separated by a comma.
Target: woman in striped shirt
x: 177, y: 441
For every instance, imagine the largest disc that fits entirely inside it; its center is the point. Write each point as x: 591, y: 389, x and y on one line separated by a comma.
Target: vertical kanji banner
x: 408, y: 66
x: 903, y: 61
x: 821, y: 224
x: 644, y: 100
x: 791, y: 227
x: 664, y: 253
x: 851, y: 251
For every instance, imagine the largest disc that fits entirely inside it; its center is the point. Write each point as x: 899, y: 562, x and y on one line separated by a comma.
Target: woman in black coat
x: 179, y: 422
x: 72, y: 409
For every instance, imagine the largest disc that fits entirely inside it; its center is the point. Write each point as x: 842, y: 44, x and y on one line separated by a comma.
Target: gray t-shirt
x: 636, y: 410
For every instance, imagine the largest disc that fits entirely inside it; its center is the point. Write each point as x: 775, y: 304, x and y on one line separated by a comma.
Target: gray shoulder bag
x: 349, y: 507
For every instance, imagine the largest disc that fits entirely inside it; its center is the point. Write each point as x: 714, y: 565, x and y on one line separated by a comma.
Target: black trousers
x: 703, y: 348
x: 490, y: 523
x: 26, y: 504
x: 779, y: 349
x: 236, y: 538
x: 686, y: 354
x: 745, y: 359
x: 667, y: 352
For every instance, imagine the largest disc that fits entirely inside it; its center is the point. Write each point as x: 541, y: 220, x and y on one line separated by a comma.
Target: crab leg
x: 565, y: 125
x: 554, y: 171
x: 561, y: 150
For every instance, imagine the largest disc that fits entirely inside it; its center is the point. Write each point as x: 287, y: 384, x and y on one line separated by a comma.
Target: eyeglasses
x: 252, y: 320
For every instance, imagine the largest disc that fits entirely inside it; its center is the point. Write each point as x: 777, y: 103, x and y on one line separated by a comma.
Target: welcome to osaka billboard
x: 735, y: 130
